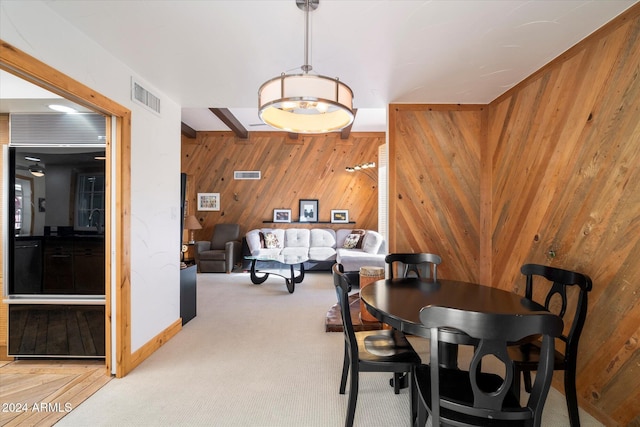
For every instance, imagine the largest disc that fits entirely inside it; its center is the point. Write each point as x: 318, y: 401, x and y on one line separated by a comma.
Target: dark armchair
x: 222, y: 253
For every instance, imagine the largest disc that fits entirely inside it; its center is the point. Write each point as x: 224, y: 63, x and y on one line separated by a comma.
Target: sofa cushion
x: 353, y: 259
x: 323, y: 238
x: 351, y: 241
x: 297, y: 238
x: 372, y: 242
x: 322, y: 254
x: 295, y: 251
x: 266, y: 253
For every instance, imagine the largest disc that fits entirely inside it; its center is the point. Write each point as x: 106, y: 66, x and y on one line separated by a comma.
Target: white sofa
x: 323, y: 246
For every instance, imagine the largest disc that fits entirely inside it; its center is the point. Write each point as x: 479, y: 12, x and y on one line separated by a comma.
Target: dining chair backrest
x: 558, y: 280
x: 343, y: 286
x: 424, y: 265
x: 494, y: 332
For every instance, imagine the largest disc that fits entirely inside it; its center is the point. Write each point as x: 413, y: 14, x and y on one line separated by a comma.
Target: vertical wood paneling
x: 310, y: 167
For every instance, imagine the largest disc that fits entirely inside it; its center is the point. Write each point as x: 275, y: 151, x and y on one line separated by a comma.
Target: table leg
x: 255, y: 279
x: 448, y: 355
x: 291, y: 283
x: 404, y: 381
x: 301, y: 276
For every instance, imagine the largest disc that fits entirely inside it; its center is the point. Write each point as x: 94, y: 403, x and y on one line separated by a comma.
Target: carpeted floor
x: 255, y: 356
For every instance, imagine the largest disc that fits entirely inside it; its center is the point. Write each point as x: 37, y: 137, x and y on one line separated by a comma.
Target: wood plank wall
x: 434, y: 172
x: 559, y: 184
x: 567, y: 142
x: 309, y: 167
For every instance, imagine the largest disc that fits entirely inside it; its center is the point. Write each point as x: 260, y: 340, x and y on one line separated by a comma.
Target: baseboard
x: 154, y: 344
x: 4, y: 351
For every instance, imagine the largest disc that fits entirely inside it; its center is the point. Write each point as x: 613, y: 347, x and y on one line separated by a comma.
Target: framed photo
x: 208, y: 201
x: 339, y: 216
x: 282, y: 215
x: 308, y: 210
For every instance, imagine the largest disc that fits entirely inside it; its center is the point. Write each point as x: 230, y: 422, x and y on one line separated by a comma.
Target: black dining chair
x: 472, y: 397
x: 423, y: 265
x: 369, y: 351
x: 554, y: 282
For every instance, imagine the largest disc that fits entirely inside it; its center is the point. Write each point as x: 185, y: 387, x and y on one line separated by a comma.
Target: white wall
x: 155, y: 156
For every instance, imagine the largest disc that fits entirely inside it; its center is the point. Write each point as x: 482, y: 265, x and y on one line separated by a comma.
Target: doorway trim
x: 117, y: 177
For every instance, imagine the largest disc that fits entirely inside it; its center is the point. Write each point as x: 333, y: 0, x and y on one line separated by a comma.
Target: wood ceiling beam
x: 187, y: 131
x: 344, y: 134
x: 230, y: 120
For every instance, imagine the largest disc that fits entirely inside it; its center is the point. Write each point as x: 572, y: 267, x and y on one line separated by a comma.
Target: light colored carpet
x: 255, y: 356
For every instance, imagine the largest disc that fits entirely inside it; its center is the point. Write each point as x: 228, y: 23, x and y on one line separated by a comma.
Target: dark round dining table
x: 397, y: 302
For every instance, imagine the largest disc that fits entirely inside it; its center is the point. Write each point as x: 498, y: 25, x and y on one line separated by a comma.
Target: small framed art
x: 282, y: 215
x: 208, y: 201
x: 308, y: 210
x: 339, y: 216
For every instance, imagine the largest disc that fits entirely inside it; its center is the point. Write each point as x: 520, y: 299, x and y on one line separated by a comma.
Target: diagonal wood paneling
x: 309, y: 167
x: 568, y: 143
x: 549, y: 173
x: 434, y: 200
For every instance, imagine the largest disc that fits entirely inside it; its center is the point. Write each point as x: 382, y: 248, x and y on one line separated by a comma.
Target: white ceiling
x: 217, y: 53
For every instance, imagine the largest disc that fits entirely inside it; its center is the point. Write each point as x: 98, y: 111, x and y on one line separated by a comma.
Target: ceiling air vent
x: 246, y: 175
x: 143, y: 97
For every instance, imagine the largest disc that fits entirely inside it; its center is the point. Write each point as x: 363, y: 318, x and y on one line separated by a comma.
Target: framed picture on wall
x: 339, y: 216
x: 208, y: 201
x: 282, y: 215
x: 308, y: 210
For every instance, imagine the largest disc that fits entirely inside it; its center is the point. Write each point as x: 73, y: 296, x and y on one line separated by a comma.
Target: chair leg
x: 345, y: 370
x: 353, y: 397
x: 571, y: 395
x: 413, y: 397
x: 396, y: 382
x: 516, y: 384
x: 421, y: 419
x: 526, y: 375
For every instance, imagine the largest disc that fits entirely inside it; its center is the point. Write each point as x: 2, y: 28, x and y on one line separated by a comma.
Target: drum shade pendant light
x: 306, y: 103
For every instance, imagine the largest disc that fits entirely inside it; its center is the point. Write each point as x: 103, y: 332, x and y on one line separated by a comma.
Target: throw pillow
x: 351, y: 241
x: 261, y: 234
x: 271, y: 241
x: 361, y: 233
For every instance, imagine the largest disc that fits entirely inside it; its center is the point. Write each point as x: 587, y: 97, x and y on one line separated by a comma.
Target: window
x: 18, y: 208
x: 90, y: 202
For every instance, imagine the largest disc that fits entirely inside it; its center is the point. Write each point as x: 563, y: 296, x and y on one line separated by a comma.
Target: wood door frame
x: 117, y: 177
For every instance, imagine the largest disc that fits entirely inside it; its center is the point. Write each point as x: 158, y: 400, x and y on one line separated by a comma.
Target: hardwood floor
x: 57, y: 330
x: 41, y: 392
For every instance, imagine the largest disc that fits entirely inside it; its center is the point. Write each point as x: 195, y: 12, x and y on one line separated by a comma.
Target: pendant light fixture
x: 306, y: 103
x: 36, y: 170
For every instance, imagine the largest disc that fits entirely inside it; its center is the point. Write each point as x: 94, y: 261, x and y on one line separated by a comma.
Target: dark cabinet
x: 74, y: 265
x: 58, y: 267
x: 27, y: 273
x: 88, y: 267
x: 188, y: 293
